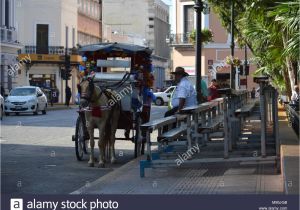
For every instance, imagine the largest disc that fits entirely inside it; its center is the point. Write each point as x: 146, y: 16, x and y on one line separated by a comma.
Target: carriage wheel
x: 80, y: 143
x: 138, y: 145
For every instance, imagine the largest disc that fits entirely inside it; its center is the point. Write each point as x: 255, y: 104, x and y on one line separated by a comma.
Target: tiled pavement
x: 225, y: 178
x: 205, y: 179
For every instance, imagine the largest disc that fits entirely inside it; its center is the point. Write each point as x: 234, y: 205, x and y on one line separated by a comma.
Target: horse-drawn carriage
x: 128, y: 89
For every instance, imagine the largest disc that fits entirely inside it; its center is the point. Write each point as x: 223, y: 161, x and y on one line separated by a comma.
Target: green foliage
x: 206, y: 36
x: 270, y: 29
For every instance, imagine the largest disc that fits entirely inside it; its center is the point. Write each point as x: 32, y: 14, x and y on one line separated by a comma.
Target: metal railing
x: 8, y: 35
x: 53, y: 50
x: 179, y: 39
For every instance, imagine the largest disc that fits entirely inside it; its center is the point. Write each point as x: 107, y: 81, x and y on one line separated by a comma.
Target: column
x: 3, y: 12
x: 10, y: 14
x: 13, y: 13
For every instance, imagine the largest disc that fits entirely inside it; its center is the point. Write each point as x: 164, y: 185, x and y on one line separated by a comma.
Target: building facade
x: 147, y: 25
x: 46, y: 29
x: 9, y: 45
x: 213, y: 65
x: 89, y: 21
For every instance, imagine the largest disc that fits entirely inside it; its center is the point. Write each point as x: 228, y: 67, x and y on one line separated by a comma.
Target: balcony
x: 52, y: 50
x: 52, y: 54
x: 8, y: 35
x: 179, y: 40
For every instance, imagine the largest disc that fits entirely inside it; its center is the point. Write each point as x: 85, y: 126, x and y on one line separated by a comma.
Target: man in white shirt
x: 295, y: 94
x: 185, y: 93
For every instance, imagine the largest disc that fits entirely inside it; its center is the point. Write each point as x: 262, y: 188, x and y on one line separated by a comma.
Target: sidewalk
x: 226, y: 178
x: 290, y: 150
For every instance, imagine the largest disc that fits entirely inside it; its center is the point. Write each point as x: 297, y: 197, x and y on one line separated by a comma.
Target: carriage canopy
x: 112, y: 49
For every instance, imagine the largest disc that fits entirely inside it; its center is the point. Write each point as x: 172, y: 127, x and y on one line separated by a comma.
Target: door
x: 42, y: 36
x: 188, y: 21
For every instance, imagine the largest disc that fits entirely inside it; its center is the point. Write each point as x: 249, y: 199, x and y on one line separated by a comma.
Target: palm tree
x: 271, y: 30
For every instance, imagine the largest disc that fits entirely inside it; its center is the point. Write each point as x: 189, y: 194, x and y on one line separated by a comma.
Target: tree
x: 206, y: 36
x: 271, y: 31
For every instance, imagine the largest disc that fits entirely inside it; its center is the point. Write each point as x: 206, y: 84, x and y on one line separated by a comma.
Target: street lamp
x: 232, y: 72
x: 199, y: 8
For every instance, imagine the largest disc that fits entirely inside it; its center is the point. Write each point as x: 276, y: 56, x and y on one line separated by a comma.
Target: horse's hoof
x: 113, y: 161
x: 91, y: 164
x: 101, y: 165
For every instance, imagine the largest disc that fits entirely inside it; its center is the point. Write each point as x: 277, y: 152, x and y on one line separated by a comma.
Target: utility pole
x: 245, y: 66
x: 198, y: 8
x: 232, y: 73
x: 66, y: 64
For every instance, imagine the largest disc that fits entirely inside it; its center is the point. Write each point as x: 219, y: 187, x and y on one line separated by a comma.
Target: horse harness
x: 89, y: 98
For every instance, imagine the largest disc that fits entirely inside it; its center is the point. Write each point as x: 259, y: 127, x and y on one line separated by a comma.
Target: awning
x: 129, y: 49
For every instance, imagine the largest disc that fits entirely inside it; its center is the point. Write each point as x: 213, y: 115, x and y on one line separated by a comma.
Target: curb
x: 59, y: 108
x: 108, y: 177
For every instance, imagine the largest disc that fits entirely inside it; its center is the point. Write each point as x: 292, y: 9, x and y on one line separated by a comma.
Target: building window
x: 42, y: 38
x: 87, y: 7
x: 100, y: 12
x: 82, y: 5
x: 7, y: 13
x: 188, y: 18
x: 1, y: 12
x: 73, y: 37
x: 67, y: 36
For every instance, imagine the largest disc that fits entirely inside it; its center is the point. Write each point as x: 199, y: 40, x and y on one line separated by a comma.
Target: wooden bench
x: 245, y: 110
x: 181, y: 137
x: 172, y: 134
x: 207, y: 118
x: 163, y: 137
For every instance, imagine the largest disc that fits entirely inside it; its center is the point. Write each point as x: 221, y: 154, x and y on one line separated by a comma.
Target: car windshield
x: 22, y: 92
x: 170, y: 90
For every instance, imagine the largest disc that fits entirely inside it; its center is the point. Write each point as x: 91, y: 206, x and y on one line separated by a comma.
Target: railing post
x: 196, y: 126
x: 203, y: 122
x: 226, y: 136
x: 148, y: 140
x: 189, y: 139
x: 5, y: 35
x: 275, y: 123
x: 158, y: 135
x: 263, y: 119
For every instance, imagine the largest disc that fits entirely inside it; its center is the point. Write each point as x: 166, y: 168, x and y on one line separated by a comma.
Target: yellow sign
x: 47, y: 58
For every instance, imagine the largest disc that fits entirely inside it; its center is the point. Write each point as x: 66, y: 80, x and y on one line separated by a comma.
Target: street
x: 38, y: 156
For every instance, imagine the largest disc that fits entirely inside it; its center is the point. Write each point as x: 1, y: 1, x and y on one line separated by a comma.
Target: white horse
x: 102, y: 116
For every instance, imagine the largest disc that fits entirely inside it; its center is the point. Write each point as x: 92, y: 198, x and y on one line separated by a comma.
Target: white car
x: 25, y: 99
x: 1, y: 106
x: 164, y: 97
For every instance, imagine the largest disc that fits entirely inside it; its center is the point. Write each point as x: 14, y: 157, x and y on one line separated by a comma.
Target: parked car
x: 1, y: 106
x: 164, y: 97
x: 25, y: 99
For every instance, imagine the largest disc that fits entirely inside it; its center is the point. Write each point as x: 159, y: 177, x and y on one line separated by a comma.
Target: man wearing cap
x: 185, y: 93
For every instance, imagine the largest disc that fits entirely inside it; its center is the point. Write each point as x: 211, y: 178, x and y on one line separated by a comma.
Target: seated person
x: 185, y: 93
